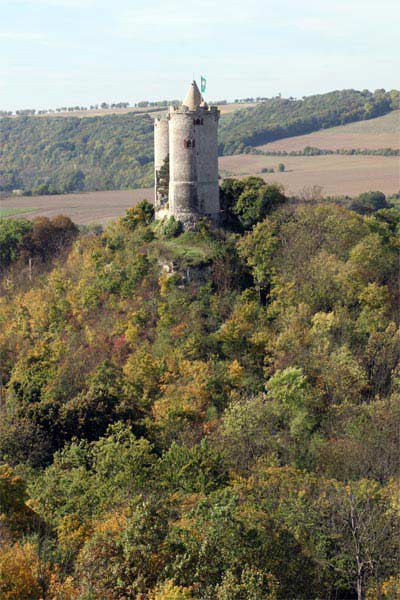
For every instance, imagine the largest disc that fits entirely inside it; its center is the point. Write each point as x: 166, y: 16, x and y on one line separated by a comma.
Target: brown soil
x: 338, y: 175
x: 90, y: 207
x: 382, y: 132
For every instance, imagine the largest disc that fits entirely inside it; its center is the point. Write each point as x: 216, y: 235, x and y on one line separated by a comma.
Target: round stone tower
x: 192, y: 133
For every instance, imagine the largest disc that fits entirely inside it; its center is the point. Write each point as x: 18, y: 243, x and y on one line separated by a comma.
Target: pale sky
x: 67, y: 52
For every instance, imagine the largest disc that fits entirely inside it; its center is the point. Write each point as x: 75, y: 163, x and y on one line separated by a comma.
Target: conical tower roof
x: 193, y: 98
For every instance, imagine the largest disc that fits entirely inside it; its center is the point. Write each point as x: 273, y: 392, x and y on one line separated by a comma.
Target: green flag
x: 203, y: 84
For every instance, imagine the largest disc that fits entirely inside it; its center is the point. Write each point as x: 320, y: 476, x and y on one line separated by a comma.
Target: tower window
x: 189, y: 143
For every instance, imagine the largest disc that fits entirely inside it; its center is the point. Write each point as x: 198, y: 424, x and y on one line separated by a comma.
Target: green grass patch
x: 189, y: 249
x: 9, y: 212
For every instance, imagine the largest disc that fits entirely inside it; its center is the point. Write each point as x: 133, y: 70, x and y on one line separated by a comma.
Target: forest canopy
x: 224, y: 428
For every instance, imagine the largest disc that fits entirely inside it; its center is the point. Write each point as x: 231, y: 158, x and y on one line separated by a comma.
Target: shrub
x: 171, y: 227
x: 142, y: 214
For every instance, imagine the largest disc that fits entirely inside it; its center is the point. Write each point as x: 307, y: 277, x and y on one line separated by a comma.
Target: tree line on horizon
x: 70, y: 154
x: 29, y: 112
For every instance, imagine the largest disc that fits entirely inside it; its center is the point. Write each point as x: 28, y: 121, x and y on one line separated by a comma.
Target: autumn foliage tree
x: 202, y: 415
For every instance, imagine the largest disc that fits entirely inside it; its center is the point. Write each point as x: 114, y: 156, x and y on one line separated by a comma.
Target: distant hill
x: 66, y: 154
x: 279, y: 118
x: 374, y: 134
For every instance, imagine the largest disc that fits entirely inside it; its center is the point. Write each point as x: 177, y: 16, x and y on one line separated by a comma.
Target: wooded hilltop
x: 205, y: 415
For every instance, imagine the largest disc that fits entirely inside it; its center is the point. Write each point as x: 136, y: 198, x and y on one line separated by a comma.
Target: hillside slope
x: 66, y: 154
x: 280, y: 118
x: 374, y: 134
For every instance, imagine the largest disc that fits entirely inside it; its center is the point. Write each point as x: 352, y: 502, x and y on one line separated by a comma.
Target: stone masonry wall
x: 161, y: 149
x: 183, y: 199
x: 207, y: 164
x: 193, y: 184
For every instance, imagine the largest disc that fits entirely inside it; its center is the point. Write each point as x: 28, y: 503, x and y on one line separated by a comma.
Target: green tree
x: 370, y: 202
x: 222, y: 536
x: 347, y: 528
x: 163, y: 180
x: 12, y: 232
x: 248, y: 201
x: 256, y: 201
x: 142, y: 213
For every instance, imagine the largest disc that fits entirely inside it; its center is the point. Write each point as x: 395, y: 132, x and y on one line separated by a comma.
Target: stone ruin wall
x: 161, y: 150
